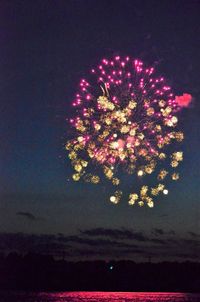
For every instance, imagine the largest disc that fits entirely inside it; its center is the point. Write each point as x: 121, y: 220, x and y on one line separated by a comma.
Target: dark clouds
x: 159, y: 241
x: 101, y: 243
x: 27, y: 215
x: 159, y: 232
x: 195, y: 235
x: 127, y: 234
x: 24, y: 243
x: 98, y: 242
x: 115, y: 233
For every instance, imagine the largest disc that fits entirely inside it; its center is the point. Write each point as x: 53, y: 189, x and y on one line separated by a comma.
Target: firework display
x: 125, y: 121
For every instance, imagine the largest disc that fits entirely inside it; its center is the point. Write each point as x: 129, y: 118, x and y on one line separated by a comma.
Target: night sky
x: 46, y: 47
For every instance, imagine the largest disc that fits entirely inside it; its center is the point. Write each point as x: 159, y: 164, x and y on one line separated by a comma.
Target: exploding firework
x: 126, y: 118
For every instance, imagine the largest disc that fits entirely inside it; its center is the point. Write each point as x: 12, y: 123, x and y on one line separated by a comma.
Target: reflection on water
x: 97, y: 297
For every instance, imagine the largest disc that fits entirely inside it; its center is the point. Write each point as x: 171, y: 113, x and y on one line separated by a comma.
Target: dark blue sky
x: 46, y: 47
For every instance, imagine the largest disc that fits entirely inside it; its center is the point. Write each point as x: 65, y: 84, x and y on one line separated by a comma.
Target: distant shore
x: 43, y: 272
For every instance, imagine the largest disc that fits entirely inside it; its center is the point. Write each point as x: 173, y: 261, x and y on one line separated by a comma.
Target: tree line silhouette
x: 43, y: 272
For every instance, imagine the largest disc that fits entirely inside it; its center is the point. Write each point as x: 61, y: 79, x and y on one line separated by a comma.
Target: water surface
x: 10, y: 296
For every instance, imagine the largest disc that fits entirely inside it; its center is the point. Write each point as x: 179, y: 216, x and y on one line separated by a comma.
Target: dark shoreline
x: 43, y: 273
